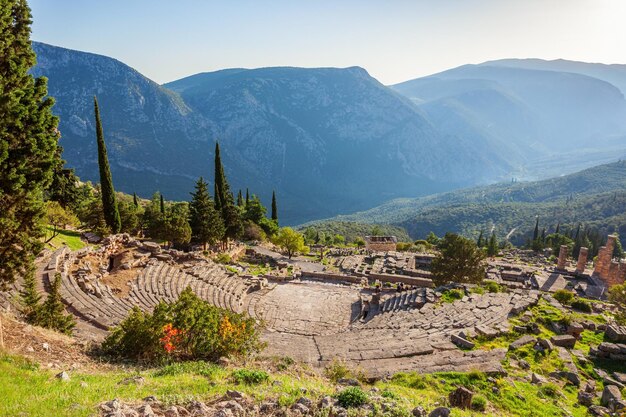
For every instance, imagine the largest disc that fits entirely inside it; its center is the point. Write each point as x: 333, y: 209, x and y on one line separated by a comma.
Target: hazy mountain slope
x: 154, y: 140
x: 614, y: 73
x: 600, y: 179
x: 327, y: 140
x: 335, y: 136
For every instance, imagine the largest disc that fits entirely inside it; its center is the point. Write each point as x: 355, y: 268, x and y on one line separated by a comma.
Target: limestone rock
x: 63, y: 376
x: 418, y: 412
x: 146, y: 411
x: 522, y: 341
x: 565, y: 340
x: 610, y: 396
x: 598, y: 411
x: 537, y: 379
x: 585, y: 398
x: 461, y: 342
x: 235, y: 395
x: 301, y: 408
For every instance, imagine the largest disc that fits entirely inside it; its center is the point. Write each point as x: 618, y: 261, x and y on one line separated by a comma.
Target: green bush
x: 222, y: 258
x: 479, y: 403
x: 337, y: 370
x: 581, y: 305
x: 351, y: 397
x: 548, y: 390
x: 491, y: 286
x: 249, y: 377
x: 564, y: 297
x: 189, y: 329
x: 450, y: 296
x: 389, y: 394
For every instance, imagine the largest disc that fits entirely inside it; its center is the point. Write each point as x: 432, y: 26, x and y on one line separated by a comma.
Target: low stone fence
x: 415, y: 281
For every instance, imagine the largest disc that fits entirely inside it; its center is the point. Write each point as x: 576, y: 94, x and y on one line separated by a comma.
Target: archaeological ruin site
x: 372, y: 309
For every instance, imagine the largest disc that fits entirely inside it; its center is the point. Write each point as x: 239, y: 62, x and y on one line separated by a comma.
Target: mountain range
x: 332, y: 140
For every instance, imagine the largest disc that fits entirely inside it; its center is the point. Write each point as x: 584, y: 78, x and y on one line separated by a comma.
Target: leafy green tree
x: 254, y: 210
x: 274, y: 207
x: 107, y: 192
x: 290, y: 241
x: 233, y: 222
x: 177, y: 229
x: 459, y: 260
x: 432, y: 239
x: 556, y: 240
x: 64, y: 188
x: 206, y: 223
x: 153, y: 220
x: 618, y: 251
x: 270, y: 227
x: 339, y: 240
x: 492, y: 247
x: 30, y: 299
x: 58, y: 218
x: 617, y: 295
x: 310, y: 235
x: 376, y: 231
x: 52, y: 314
x: 130, y: 214
x: 359, y: 242
x: 28, y: 144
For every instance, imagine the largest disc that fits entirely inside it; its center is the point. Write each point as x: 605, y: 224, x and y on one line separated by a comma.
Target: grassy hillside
x: 594, y: 197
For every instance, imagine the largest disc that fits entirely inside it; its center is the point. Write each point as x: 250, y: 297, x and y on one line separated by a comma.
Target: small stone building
x: 381, y: 243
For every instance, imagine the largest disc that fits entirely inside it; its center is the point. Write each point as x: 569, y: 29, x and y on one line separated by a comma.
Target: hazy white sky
x: 394, y: 40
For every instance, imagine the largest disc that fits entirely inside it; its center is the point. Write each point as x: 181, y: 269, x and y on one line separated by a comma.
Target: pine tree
x: 162, y: 205
x: 109, y: 203
x: 274, y: 208
x: 135, y: 202
x: 206, y: 223
x: 28, y: 144
x: 239, y: 199
x: 30, y: 299
x: 231, y: 215
x: 52, y: 315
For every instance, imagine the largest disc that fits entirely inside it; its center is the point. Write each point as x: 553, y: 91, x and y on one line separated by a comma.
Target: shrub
x: 189, y: 329
x: 201, y: 368
x: 581, y: 305
x: 548, y: 390
x: 389, y: 394
x: 491, y: 286
x: 351, y: 397
x: 337, y: 370
x: 249, y: 377
x: 479, y: 403
x: 564, y: 297
x: 450, y: 296
x: 222, y: 258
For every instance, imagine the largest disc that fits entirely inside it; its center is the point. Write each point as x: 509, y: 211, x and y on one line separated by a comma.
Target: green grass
x: 69, y: 237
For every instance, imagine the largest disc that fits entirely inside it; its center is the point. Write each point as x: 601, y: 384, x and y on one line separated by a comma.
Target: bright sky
x: 395, y: 40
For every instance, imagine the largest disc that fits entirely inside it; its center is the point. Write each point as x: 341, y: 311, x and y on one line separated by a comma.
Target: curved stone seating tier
x: 404, y: 300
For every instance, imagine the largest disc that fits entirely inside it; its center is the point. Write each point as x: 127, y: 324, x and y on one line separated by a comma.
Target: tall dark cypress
x: 239, y: 199
x: 247, y: 197
x: 274, y: 207
x: 135, y: 202
x: 109, y: 203
x: 220, y: 180
x: 558, y: 228
x: 536, y: 232
x: 480, y: 242
x: 162, y: 205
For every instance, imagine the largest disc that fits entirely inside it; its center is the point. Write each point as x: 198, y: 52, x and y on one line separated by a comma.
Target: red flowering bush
x: 189, y: 329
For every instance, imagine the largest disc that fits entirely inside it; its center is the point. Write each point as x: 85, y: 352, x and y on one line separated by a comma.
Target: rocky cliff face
x: 328, y: 140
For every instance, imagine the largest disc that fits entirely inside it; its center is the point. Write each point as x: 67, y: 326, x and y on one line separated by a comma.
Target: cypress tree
x: 220, y: 180
x: 274, y: 208
x: 543, y: 235
x: 135, y: 202
x: 239, y: 199
x: 480, y: 242
x: 28, y: 144
x: 206, y: 223
x: 536, y: 232
x: 247, y: 197
x: 109, y: 203
x: 162, y: 205
x: 558, y: 227
x: 492, y: 247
